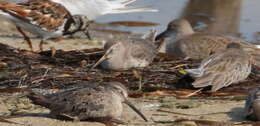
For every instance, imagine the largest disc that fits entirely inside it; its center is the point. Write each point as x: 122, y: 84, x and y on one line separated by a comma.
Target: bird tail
x: 194, y: 72
x: 133, y: 9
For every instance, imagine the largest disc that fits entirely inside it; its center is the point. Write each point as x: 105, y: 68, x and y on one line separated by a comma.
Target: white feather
x: 95, y: 8
x: 195, y: 72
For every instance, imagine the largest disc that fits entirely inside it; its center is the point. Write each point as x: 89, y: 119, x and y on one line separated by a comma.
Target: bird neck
x: 184, y: 32
x: 74, y: 25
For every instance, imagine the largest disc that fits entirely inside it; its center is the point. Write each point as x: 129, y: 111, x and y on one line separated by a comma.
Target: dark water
x: 239, y: 18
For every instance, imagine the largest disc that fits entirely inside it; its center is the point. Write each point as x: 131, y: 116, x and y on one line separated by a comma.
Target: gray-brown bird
x: 100, y: 102
x: 252, y: 105
x: 222, y: 69
x: 181, y: 41
x: 127, y: 54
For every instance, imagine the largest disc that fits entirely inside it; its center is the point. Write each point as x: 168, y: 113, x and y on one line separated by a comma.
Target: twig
x: 2, y: 119
x: 160, y: 110
x: 180, y: 65
x: 193, y: 93
x: 42, y: 78
x: 92, y: 53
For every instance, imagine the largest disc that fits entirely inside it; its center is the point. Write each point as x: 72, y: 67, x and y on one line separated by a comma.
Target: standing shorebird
x: 223, y: 68
x: 126, y: 54
x: 100, y: 102
x: 179, y: 39
x: 44, y: 18
x: 252, y: 105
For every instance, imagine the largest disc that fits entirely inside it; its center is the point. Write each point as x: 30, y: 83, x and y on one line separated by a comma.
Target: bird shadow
x: 16, y: 36
x: 236, y: 114
x: 42, y: 115
x: 106, y: 121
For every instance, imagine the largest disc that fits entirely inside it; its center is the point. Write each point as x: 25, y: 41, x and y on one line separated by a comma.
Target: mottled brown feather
x: 224, y: 68
x: 43, y: 13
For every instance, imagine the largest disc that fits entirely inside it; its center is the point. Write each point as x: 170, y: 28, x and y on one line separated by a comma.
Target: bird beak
x: 107, y: 55
x: 98, y: 62
x: 135, y: 109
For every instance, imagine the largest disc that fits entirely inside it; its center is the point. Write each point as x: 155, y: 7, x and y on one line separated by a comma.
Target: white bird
x: 95, y: 8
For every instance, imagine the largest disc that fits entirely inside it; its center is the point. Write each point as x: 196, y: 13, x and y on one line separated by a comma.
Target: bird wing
x: 90, y: 101
x: 142, y: 49
x: 219, y: 70
x: 43, y: 13
x: 95, y: 8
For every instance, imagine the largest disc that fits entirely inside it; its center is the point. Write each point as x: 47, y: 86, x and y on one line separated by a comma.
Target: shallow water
x: 239, y: 18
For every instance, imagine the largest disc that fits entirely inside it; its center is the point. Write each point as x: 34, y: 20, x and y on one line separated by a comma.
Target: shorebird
x: 180, y: 40
x: 175, y: 29
x: 95, y: 8
x: 252, y: 105
x: 44, y: 18
x: 126, y: 54
x: 222, y: 68
x: 101, y: 102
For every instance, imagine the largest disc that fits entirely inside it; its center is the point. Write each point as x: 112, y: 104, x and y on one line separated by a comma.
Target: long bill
x: 105, y: 56
x: 135, y: 109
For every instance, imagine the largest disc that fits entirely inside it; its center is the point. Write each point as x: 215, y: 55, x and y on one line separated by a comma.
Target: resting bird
x: 223, y: 68
x: 180, y: 40
x: 100, y: 102
x: 127, y: 54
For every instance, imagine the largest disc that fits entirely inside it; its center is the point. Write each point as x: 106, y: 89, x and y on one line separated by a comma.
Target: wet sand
x: 230, y: 111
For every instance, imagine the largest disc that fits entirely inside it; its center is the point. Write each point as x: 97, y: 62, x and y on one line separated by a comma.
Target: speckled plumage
x: 252, y: 105
x: 221, y: 69
x: 97, y: 101
x: 44, y: 18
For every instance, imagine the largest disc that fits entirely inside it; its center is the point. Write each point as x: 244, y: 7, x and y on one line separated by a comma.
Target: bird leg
x: 26, y: 38
x: 41, y: 45
x: 86, y: 32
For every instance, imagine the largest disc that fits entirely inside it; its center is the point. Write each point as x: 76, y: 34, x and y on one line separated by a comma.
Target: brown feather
x: 43, y: 13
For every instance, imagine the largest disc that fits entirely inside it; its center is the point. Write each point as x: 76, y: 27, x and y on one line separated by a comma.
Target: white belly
x: 36, y: 30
